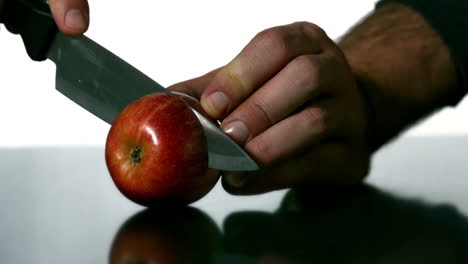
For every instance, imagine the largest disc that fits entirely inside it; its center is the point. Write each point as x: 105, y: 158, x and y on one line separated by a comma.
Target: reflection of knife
x: 98, y: 80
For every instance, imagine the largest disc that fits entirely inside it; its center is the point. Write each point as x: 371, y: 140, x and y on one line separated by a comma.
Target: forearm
x: 403, y: 66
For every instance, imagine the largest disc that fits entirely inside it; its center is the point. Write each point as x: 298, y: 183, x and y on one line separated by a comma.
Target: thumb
x: 71, y: 16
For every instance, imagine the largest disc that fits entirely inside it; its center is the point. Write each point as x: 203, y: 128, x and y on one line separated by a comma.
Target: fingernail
x: 238, y: 131
x: 75, y: 19
x: 218, y: 103
x: 236, y: 180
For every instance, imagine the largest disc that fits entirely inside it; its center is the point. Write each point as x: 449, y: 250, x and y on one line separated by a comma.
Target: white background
x: 170, y: 41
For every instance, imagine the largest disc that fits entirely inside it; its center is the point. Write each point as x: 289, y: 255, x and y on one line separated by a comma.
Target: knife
x: 99, y: 81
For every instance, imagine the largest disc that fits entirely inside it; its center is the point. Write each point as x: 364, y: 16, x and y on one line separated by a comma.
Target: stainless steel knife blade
x: 104, y: 84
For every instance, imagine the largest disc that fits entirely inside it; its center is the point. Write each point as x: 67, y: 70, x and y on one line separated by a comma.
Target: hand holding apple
x: 290, y: 99
x: 156, y: 151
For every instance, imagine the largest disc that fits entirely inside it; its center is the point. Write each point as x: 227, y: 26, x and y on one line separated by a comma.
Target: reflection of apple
x: 186, y: 235
x: 156, y: 151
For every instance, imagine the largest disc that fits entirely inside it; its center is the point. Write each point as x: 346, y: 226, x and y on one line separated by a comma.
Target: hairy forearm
x: 403, y: 67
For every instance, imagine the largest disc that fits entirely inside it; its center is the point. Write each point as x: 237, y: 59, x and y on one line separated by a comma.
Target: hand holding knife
x: 98, y: 80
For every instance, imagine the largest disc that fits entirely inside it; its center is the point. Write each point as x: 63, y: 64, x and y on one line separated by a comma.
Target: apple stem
x: 135, y: 156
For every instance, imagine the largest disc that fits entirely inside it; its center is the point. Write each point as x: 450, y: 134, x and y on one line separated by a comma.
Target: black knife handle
x: 33, y: 20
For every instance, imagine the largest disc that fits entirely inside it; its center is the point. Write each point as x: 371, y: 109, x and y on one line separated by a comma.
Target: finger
x: 289, y: 137
x: 194, y: 87
x: 313, y: 124
x: 260, y: 60
x: 71, y: 16
x: 331, y: 163
x: 300, y: 81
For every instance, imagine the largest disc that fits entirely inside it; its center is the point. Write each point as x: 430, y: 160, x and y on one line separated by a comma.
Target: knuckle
x: 310, y: 66
x: 234, y: 83
x: 276, y: 39
x: 314, y: 119
x: 231, y: 83
x: 262, y: 150
x: 273, y: 35
x: 311, y: 30
x: 259, y: 109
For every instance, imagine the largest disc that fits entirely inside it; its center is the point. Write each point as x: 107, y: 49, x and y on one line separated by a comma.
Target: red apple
x: 156, y: 151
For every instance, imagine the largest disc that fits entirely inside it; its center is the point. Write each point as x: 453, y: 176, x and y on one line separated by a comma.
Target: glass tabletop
x: 59, y: 205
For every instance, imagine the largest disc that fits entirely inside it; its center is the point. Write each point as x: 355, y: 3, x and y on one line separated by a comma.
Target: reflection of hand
x: 182, y: 235
x: 290, y: 98
x: 71, y: 16
x: 340, y: 225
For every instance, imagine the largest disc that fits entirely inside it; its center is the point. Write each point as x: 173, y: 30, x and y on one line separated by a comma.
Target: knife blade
x: 101, y: 82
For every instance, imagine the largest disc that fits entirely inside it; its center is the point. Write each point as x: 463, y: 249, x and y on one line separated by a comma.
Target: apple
x: 183, y: 235
x: 156, y: 151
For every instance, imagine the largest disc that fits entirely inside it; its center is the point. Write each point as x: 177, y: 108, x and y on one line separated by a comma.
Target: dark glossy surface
x: 59, y: 205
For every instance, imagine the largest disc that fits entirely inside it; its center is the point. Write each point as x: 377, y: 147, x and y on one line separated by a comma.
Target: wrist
x: 402, y: 67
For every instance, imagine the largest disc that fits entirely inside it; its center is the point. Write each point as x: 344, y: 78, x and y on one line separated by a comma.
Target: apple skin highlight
x: 156, y: 151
